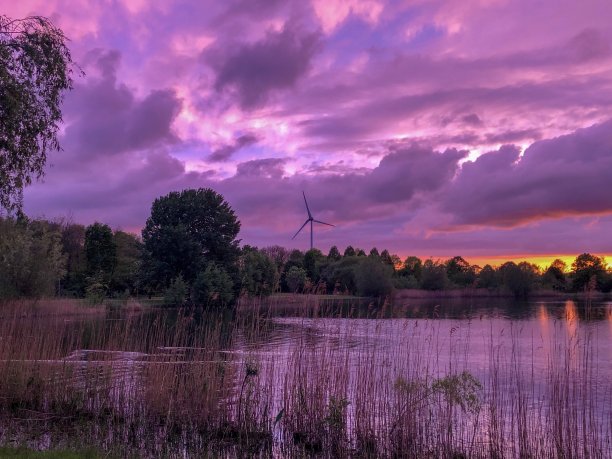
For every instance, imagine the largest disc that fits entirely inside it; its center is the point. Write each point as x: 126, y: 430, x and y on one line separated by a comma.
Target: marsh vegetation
x: 328, y: 379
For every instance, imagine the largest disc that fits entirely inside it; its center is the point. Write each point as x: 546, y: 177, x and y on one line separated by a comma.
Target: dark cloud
x: 105, y: 117
x: 225, y: 152
x: 255, y: 70
x: 262, y: 168
x: 565, y: 176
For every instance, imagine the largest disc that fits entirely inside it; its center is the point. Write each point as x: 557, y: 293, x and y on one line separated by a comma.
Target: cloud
x: 106, y: 118
x: 225, y: 152
x: 255, y: 70
x: 555, y: 178
x: 271, y: 168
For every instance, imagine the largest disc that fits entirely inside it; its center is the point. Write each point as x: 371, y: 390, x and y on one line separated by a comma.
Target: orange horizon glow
x: 542, y: 260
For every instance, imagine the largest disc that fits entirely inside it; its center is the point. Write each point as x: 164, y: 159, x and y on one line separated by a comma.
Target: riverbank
x: 466, y: 293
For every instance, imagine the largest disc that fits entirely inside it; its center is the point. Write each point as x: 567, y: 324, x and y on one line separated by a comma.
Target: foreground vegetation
x: 177, y: 381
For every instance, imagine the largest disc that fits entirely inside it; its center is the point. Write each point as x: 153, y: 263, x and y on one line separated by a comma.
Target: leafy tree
x: 312, y: 263
x: 374, y: 252
x: 296, y: 279
x: 296, y: 258
x: 554, y: 277
x: 186, y: 231
x: 433, y: 275
x: 100, y: 251
x: 258, y: 274
x: 585, y: 268
x: 279, y: 255
x: 519, y: 279
x: 213, y: 287
x: 460, y: 272
x: 349, y: 251
x: 387, y: 258
x: 129, y: 253
x: 413, y: 266
x: 334, y: 254
x: 373, y: 278
x: 35, y: 72
x: 31, y: 258
x: 360, y: 253
x: 487, y: 278
x: 340, y: 275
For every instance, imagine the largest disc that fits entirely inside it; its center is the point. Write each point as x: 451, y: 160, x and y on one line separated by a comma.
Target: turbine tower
x: 311, y: 220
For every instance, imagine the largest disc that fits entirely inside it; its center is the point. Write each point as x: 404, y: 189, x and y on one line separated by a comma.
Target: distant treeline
x: 189, y: 253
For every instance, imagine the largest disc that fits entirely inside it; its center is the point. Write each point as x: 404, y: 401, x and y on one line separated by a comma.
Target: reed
x: 151, y: 382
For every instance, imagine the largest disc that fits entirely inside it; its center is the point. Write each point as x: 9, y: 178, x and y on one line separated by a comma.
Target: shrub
x: 212, y: 287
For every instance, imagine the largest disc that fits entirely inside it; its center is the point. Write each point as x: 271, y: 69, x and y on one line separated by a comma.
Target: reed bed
x: 175, y: 383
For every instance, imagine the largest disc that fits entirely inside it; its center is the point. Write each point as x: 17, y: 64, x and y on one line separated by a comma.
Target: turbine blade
x: 301, y: 228
x: 322, y: 223
x: 307, y: 208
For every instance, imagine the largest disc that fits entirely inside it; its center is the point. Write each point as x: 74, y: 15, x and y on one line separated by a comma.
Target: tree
x: 73, y: 245
x: 279, y: 255
x: 460, y: 272
x: 413, y: 266
x: 334, y: 254
x: 360, y: 252
x: 100, y: 251
x: 35, y: 72
x: 212, y: 287
x: 487, y: 278
x: 519, y: 279
x: 433, y: 275
x: 373, y: 278
x: 186, y: 231
x: 374, y: 252
x: 585, y: 268
x: 258, y: 274
x: 312, y: 263
x: 296, y: 279
x: 554, y: 277
x: 31, y: 259
x: 129, y: 253
x: 349, y: 251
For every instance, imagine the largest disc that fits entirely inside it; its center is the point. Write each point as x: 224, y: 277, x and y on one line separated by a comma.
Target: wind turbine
x: 311, y: 220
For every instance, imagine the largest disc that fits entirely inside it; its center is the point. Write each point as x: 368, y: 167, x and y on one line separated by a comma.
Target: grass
x: 339, y: 388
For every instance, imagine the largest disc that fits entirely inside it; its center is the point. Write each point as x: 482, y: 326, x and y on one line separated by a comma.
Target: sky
x: 480, y: 128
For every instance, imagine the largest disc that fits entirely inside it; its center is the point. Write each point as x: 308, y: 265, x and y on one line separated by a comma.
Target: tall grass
x: 169, y: 382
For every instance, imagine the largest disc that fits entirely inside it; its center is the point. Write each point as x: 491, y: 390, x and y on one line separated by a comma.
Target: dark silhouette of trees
x: 374, y: 252
x: 588, y: 271
x: 334, y: 254
x: 488, y: 278
x: 35, y: 72
x: 373, y: 278
x: 349, y: 251
x: 460, y: 272
x: 519, y: 279
x: 554, y: 276
x: 433, y: 275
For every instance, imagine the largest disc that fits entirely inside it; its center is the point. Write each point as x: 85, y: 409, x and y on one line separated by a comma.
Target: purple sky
x: 426, y: 127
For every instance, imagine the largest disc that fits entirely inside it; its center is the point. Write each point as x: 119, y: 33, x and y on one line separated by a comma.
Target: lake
x: 333, y: 378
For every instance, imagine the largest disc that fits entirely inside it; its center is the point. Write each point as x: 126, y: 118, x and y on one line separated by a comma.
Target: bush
x: 212, y: 287
x: 373, y: 277
x: 176, y: 293
x: 296, y: 279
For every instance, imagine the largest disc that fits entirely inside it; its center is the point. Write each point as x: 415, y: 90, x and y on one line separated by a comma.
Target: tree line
x: 189, y: 252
